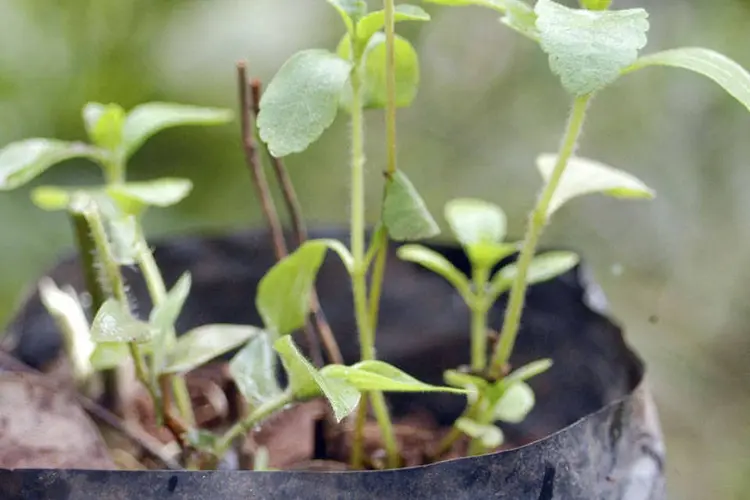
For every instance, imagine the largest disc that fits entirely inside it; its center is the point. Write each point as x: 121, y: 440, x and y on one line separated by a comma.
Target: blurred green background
x: 673, y: 269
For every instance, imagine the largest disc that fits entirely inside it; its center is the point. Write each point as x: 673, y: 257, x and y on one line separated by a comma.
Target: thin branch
x: 250, y: 95
x: 146, y: 441
x: 300, y: 235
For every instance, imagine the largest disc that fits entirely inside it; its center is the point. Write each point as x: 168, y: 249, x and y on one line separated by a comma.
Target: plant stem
x: 358, y: 452
x: 536, y: 224
x: 479, y: 321
x: 383, y: 417
x: 245, y: 425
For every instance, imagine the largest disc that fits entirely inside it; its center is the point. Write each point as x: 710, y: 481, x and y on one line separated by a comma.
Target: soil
x: 302, y: 437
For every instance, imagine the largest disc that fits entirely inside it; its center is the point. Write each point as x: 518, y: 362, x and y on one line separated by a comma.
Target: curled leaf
x: 405, y: 214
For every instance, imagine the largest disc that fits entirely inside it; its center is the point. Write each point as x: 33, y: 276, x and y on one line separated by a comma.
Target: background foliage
x: 673, y: 269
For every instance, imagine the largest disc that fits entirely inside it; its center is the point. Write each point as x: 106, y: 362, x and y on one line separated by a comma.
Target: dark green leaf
x: 133, y: 197
x: 104, y: 124
x: 405, y: 214
x: 437, y: 264
x: 515, y: 404
x: 254, y: 370
x: 148, y: 119
x: 528, y: 371
x: 283, y: 299
x: 544, y: 267
x: 717, y: 67
x: 202, y: 344
x: 588, y: 49
x: 374, y: 21
x: 307, y: 383
x: 163, y: 318
x: 380, y: 376
x: 489, y: 435
x: 583, y: 176
x: 114, y: 323
x: 22, y: 161
x: 374, y: 95
x: 301, y: 101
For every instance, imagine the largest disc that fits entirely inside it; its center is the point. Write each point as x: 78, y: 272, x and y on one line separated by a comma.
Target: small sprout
x: 104, y: 124
x: 480, y: 228
x: 589, y: 49
x: 405, y: 214
x: 254, y: 370
x: 491, y: 436
x: 114, y: 323
x: 301, y: 101
x: 202, y: 344
x: 583, y: 176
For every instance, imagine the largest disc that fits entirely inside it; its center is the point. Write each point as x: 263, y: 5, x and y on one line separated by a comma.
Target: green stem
x: 383, y: 417
x: 244, y: 426
x: 479, y: 308
x: 455, y: 433
x: 537, y: 222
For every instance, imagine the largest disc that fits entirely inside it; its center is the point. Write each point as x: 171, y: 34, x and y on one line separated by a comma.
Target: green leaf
x: 66, y: 310
x: 374, y: 95
x: 438, y: 264
x: 405, y: 214
x: 307, y: 383
x: 595, y: 4
x: 254, y: 370
x: 283, y: 299
x: 374, y: 21
x: 498, y: 5
x: 133, y: 197
x: 114, y: 323
x: 489, y: 435
x: 475, y: 221
x: 123, y: 236
x: 462, y: 380
x: 528, y: 371
x: 108, y: 355
x: 301, y: 101
x: 202, y: 344
x: 717, y: 67
x: 22, y: 161
x: 51, y: 198
x: 380, y: 376
x: 104, y: 124
x: 544, y: 267
x: 163, y: 318
x: 583, y: 176
x: 522, y: 18
x: 588, y: 49
x: 145, y: 120
x: 515, y: 404
x: 350, y: 11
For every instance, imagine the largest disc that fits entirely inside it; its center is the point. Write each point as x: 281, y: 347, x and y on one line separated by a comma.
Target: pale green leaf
x: 498, y: 5
x: 51, y: 198
x: 588, y: 49
x: 515, y: 404
x: 254, y: 370
x: 380, y: 376
x: 528, y: 371
x: 114, y: 323
x: 283, y: 299
x: 301, y: 101
x: 543, y: 267
x: 104, y: 124
x: 307, y: 383
x: 68, y: 314
x: 163, y: 318
x: 145, y: 120
x: 595, y: 4
x: 405, y: 214
x: 463, y: 380
x: 350, y: 11
x: 583, y: 176
x: 437, y: 264
x: 123, y: 235
x: 522, y: 18
x: 202, y: 344
x: 108, y: 355
x: 374, y: 21
x: 22, y: 161
x: 475, y: 221
x: 133, y: 197
x: 717, y: 67
x: 489, y: 435
x: 373, y: 74
x: 486, y: 255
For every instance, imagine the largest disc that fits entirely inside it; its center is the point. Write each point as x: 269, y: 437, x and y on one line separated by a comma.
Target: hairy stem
x: 537, y: 222
x: 479, y: 321
x: 244, y: 426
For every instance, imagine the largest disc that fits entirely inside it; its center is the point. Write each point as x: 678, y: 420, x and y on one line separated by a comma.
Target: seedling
x: 372, y: 68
